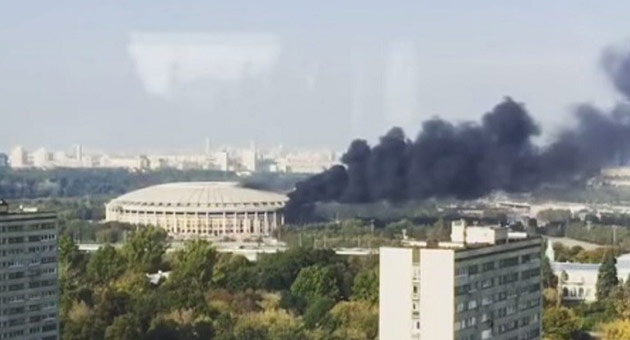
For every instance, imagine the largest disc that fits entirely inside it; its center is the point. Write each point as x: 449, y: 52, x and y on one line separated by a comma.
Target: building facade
x: 201, y: 209
x: 578, y: 281
x: 18, y: 157
x: 462, y: 291
x: 29, y: 288
x: 4, y: 160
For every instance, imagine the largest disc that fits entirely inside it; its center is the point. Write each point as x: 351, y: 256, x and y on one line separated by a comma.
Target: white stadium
x: 201, y: 209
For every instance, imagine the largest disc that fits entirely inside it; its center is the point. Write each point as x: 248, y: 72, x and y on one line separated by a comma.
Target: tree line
x: 609, y: 315
x: 76, y: 182
x: 303, y: 293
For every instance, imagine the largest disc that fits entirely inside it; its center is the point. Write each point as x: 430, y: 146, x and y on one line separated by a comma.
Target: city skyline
x: 242, y: 160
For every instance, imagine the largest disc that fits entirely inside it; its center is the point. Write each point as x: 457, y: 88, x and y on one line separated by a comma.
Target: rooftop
x: 200, y: 194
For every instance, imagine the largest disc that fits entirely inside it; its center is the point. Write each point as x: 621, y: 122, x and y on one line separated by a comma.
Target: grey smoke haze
x: 162, y: 74
x: 469, y: 160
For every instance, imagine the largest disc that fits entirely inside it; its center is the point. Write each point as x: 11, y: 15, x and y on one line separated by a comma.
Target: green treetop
x: 607, y: 278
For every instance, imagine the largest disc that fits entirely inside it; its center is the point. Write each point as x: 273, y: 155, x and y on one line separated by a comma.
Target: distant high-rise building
x: 207, y: 149
x: 29, y: 288
x: 222, y: 160
x: 482, y: 285
x: 78, y: 152
x: 250, y: 160
x: 18, y: 158
x: 4, y: 160
x: 42, y: 158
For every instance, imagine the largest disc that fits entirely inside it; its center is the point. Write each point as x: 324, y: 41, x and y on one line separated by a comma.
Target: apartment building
x: 482, y: 285
x: 29, y: 289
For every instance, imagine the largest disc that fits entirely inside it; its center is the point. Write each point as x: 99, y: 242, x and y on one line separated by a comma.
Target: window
x: 508, y: 278
x: 488, y: 266
x: 509, y: 262
x: 535, y: 272
x: 486, y: 300
x: 463, y: 289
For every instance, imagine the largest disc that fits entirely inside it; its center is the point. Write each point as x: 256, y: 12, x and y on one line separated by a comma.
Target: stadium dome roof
x: 201, y: 195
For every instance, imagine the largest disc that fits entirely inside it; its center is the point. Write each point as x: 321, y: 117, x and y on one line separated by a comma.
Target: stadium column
x: 234, y: 225
x: 274, y: 226
x: 208, y: 224
x: 197, y: 223
x: 256, y: 223
x: 224, y: 219
x: 266, y: 224
x: 246, y: 223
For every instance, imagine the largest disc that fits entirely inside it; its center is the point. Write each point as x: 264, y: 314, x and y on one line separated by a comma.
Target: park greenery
x: 608, y: 316
x: 304, y: 293
x: 580, y: 255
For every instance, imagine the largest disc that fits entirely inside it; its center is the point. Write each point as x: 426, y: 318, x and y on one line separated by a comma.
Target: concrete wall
x: 437, y: 296
x: 395, y: 292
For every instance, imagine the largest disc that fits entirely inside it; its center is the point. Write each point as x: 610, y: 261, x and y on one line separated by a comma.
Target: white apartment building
x: 18, y: 157
x: 578, y: 281
x: 29, y: 288
x: 486, y: 286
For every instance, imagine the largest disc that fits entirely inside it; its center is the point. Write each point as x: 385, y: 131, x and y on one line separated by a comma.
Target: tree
x: 192, y: 274
x: 354, y: 320
x: 111, y: 304
x: 144, y: 249
x: 317, y: 311
x: 620, y: 299
x: 551, y: 297
x: 81, y: 323
x: 616, y: 330
x: 234, y: 272
x: 607, y: 278
x: 316, y: 281
x: 278, y: 271
x: 69, y: 253
x: 124, y: 327
x: 365, y: 286
x: 194, y: 264
x: 135, y: 284
x: 560, y: 323
x: 105, y: 265
x: 549, y: 279
x: 272, y: 325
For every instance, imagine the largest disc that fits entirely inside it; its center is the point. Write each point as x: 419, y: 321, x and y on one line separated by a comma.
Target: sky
x: 164, y: 75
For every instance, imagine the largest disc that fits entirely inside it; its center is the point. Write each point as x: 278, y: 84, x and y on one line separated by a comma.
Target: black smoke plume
x: 469, y: 160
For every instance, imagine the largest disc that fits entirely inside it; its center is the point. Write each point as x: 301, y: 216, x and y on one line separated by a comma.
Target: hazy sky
x: 165, y: 74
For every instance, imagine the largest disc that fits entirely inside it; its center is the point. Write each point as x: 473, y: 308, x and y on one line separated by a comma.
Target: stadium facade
x: 201, y: 209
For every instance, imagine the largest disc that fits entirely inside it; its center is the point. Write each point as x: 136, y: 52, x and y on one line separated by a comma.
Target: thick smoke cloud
x: 469, y: 160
